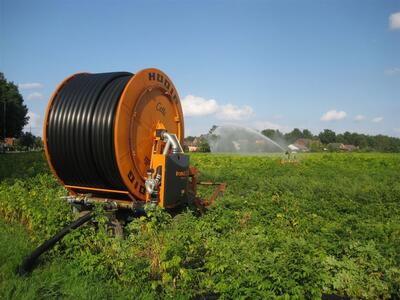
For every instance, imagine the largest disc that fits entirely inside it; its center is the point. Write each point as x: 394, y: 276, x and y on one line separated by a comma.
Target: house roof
x: 302, y: 141
x: 300, y: 146
x: 349, y: 147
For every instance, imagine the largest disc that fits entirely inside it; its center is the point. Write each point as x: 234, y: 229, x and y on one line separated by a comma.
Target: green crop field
x: 329, y: 224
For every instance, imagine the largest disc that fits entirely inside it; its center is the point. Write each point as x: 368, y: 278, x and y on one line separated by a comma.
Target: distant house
x: 261, y: 142
x: 7, y: 144
x: 301, y: 147
x: 193, y: 145
x: 348, y: 147
x: 9, y: 141
x: 341, y: 147
x: 196, y: 142
x: 302, y: 144
x: 193, y: 148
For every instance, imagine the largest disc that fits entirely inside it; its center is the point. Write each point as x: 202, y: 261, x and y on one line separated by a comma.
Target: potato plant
x: 329, y: 224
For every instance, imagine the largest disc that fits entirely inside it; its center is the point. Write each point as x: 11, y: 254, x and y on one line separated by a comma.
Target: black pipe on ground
x: 29, y: 262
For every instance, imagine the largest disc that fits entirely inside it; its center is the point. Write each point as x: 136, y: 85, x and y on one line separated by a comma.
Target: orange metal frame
x: 149, y: 101
x: 203, y: 202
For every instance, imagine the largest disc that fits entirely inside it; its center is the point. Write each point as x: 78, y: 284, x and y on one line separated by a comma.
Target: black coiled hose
x: 80, y: 130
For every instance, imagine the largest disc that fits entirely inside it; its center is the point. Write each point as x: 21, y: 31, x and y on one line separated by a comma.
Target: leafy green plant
x: 329, y: 224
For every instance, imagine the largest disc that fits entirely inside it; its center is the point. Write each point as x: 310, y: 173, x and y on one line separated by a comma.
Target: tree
x: 204, y: 146
x: 307, y: 134
x: 13, y: 112
x: 273, y: 134
x: 327, y: 136
x: 26, y: 140
x: 292, y: 136
x: 38, y: 142
x: 213, y: 128
x: 315, y: 146
x: 269, y: 133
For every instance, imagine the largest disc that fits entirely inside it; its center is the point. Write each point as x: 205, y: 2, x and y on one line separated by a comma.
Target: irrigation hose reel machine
x: 116, y: 138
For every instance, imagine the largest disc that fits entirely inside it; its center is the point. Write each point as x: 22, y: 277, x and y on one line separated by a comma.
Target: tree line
x: 365, y: 142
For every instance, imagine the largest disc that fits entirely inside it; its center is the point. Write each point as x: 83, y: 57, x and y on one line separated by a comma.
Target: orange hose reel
x: 149, y: 101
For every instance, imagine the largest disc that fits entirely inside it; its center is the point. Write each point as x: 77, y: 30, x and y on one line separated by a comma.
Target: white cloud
x: 392, y: 71
x: 377, y: 119
x: 35, y: 96
x: 359, y: 118
x: 199, y: 106
x: 394, y: 21
x: 333, y: 115
x: 30, y: 86
x: 35, y: 123
x: 233, y: 112
x: 397, y: 129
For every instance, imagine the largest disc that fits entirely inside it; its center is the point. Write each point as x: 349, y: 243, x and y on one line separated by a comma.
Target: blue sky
x: 262, y: 64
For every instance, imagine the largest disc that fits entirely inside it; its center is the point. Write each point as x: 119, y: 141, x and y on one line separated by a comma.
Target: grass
x: 329, y: 224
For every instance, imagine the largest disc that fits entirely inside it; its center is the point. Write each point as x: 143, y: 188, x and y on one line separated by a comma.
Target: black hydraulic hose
x: 29, y: 262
